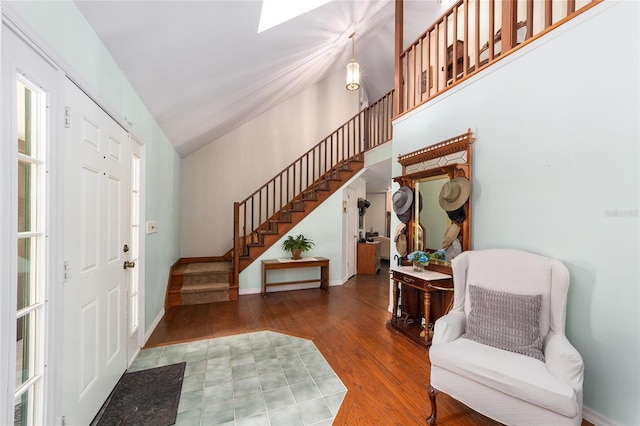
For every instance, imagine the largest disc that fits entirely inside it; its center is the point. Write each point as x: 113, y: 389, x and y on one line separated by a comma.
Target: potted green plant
x: 297, y: 245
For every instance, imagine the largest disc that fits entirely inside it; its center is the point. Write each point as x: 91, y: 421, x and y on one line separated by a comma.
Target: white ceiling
x: 202, y: 69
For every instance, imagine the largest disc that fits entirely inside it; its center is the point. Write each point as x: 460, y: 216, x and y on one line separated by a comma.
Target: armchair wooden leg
x: 432, y: 392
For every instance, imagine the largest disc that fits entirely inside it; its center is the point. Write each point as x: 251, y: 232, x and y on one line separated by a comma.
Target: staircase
x: 281, y: 203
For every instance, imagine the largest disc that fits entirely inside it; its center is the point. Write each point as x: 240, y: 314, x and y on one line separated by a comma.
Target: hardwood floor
x: 386, y: 375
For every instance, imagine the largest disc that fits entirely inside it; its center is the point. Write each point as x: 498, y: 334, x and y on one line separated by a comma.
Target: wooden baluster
x: 477, y: 33
x: 508, y: 26
x: 397, y: 93
x: 529, y: 18
x: 465, y: 36
x: 548, y: 13
x: 492, y: 30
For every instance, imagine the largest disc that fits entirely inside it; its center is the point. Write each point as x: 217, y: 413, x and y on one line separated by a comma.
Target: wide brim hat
x: 405, y: 217
x: 455, y: 193
x: 402, y: 200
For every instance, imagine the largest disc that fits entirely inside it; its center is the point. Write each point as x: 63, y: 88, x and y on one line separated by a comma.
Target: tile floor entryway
x: 262, y: 378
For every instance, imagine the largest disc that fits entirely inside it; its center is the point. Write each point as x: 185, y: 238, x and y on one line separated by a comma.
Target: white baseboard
x: 153, y: 326
x: 596, y: 418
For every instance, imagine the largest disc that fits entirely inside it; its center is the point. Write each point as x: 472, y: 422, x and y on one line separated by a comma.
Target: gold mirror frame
x: 452, y: 157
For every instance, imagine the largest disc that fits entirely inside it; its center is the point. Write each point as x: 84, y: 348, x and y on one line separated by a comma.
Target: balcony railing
x: 469, y: 37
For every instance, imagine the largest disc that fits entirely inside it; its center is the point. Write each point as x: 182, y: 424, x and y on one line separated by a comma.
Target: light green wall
x: 326, y: 227
x: 61, y: 25
x: 557, y: 172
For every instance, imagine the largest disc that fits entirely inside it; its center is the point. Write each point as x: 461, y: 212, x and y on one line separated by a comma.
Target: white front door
x: 97, y: 214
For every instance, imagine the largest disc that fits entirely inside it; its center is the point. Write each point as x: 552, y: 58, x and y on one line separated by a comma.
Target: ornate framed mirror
x: 440, y: 177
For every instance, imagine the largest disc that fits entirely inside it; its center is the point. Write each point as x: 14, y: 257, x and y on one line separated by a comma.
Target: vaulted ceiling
x: 202, y: 69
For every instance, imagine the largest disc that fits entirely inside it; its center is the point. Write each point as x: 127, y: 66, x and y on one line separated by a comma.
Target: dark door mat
x: 146, y: 397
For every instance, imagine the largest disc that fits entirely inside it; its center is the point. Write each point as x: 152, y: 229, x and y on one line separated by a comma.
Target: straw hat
x: 455, y: 193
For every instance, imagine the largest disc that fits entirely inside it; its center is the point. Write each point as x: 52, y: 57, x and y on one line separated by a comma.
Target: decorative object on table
x: 297, y: 245
x: 454, y: 194
x: 419, y: 259
x: 437, y: 255
x: 402, y: 200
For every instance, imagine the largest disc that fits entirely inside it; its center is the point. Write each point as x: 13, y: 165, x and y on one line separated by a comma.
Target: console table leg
x: 427, y: 311
x: 394, y: 313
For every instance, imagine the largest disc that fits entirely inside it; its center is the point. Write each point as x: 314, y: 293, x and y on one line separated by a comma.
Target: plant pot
x: 296, y: 254
x: 417, y: 266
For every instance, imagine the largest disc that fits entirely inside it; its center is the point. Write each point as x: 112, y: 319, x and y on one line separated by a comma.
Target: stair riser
x: 212, y: 277
x: 205, y: 297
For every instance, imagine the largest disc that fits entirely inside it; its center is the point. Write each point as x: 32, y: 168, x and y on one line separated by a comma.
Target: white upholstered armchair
x: 502, y: 349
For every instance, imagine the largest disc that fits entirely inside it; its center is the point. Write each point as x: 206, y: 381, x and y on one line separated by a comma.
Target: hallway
x: 385, y: 374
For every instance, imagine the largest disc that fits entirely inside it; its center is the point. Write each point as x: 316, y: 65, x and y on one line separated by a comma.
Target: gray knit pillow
x: 505, y: 321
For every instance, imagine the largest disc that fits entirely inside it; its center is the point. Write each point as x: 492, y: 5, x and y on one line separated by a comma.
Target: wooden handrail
x: 465, y: 40
x: 369, y: 128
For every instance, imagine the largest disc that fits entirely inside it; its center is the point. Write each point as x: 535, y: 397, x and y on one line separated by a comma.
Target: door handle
x: 128, y: 264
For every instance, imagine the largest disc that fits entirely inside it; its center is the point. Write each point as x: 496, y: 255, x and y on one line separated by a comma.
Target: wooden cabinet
x: 369, y: 258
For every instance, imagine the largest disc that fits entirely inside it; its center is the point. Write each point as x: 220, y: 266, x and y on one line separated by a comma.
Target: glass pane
x: 26, y: 196
x: 25, y: 348
x: 26, y: 272
x: 26, y: 119
x: 21, y: 410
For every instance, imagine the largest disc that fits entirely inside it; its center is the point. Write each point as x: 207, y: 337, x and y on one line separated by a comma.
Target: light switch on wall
x: 152, y: 226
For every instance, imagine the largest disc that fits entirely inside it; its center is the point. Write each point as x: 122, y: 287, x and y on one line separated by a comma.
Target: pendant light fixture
x: 353, y: 68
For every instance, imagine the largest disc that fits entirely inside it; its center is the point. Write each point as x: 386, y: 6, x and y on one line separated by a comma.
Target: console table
x: 437, y: 290
x: 312, y: 262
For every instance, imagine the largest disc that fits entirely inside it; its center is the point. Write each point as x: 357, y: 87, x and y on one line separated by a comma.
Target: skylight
x: 275, y: 12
